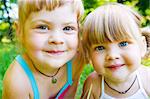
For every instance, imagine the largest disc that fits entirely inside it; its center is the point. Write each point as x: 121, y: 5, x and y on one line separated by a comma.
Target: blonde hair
x: 146, y: 33
x: 26, y: 7
x: 108, y: 23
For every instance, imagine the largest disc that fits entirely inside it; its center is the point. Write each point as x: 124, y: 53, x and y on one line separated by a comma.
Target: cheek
x: 73, y: 42
x: 133, y: 58
x: 98, y: 63
x: 35, y: 41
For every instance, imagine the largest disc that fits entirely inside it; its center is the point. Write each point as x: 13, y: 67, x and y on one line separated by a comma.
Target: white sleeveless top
x: 140, y: 94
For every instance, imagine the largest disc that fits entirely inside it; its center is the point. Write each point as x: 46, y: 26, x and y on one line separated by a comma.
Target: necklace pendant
x: 54, y: 80
x: 122, y: 92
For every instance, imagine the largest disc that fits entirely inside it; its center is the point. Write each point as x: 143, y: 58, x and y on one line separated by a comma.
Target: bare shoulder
x: 92, y: 86
x: 144, y: 73
x: 15, y: 83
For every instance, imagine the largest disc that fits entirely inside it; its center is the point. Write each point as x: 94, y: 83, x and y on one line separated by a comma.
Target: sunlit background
x: 9, y: 13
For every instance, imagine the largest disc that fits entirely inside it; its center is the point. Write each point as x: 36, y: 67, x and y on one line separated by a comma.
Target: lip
x: 55, y: 52
x: 115, y: 66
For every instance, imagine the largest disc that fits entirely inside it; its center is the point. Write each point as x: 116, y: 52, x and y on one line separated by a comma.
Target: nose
x: 56, y: 38
x: 113, y: 54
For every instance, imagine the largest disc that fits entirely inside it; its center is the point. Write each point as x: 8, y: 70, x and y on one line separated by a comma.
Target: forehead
x: 63, y: 14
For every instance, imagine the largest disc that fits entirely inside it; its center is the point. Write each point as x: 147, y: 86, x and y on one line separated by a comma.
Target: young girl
x: 114, y: 45
x: 48, y: 33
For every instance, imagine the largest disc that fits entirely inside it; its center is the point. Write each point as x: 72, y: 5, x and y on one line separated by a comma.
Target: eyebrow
x: 51, y: 23
x: 71, y: 22
x: 43, y: 21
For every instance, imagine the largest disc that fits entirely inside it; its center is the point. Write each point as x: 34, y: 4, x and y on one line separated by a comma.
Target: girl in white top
x: 114, y: 45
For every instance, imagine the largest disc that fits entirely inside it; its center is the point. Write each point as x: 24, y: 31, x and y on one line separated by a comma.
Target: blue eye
x: 99, y: 48
x: 123, y: 44
x: 68, y: 28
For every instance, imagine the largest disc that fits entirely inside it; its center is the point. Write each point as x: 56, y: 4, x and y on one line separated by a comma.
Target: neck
x: 122, y: 87
x: 40, y: 70
x: 123, y: 82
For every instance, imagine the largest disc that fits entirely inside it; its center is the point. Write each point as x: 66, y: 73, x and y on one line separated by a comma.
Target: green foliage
x: 90, y: 5
x: 4, y: 26
x: 142, y: 6
x: 87, y: 70
x: 13, y: 1
x: 8, y: 52
x: 95, y: 3
x: 146, y: 62
x: 7, y: 55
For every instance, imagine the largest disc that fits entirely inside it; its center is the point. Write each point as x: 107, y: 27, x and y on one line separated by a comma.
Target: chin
x: 56, y: 63
x: 118, y: 79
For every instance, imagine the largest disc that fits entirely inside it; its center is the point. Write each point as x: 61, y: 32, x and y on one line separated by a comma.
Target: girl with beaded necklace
x: 114, y: 45
x: 49, y: 66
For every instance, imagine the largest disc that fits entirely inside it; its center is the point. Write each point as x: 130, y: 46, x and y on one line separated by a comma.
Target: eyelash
x: 45, y: 28
x: 99, y: 48
x: 42, y: 27
x: 123, y: 44
x: 68, y: 28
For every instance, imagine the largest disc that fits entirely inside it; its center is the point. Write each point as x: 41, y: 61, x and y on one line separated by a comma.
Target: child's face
x: 116, y: 60
x: 51, y: 37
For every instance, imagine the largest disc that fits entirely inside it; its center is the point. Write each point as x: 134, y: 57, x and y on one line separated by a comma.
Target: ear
x: 16, y: 26
x: 19, y: 33
x: 143, y: 46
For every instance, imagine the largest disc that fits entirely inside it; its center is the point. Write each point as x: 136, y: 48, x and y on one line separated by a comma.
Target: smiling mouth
x: 115, y: 67
x: 55, y: 52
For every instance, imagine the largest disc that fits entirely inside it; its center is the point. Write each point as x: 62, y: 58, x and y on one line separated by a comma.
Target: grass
x: 8, y: 53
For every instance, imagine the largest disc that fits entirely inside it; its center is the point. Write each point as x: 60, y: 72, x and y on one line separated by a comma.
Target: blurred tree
x: 90, y: 5
x: 142, y: 6
x: 6, y: 19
